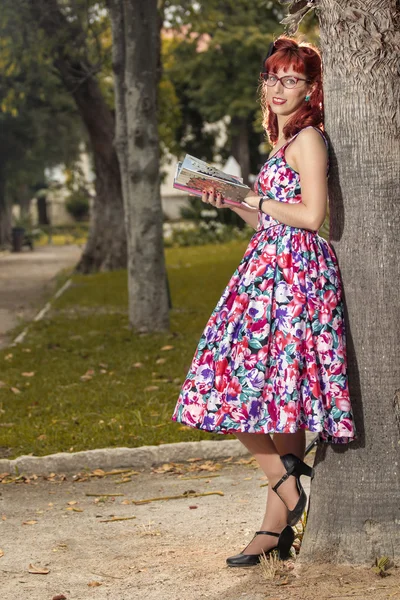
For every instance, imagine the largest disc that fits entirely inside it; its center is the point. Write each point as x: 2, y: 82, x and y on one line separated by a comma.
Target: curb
x: 115, y: 458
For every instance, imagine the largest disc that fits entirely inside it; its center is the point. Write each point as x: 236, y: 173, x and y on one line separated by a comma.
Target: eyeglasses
x: 289, y: 81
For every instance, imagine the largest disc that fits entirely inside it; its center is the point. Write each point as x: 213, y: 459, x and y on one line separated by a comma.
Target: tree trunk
x: 43, y: 216
x: 240, y: 145
x: 136, y: 40
x: 354, y: 510
x: 24, y: 198
x: 106, y: 246
x: 5, y: 213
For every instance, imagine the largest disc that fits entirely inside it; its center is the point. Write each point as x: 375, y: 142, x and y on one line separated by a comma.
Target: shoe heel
x: 285, y: 542
x: 303, y: 469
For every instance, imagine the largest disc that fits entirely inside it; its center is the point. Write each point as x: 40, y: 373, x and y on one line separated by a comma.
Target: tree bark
x: 42, y: 212
x: 106, y: 246
x: 240, y: 145
x: 136, y: 40
x: 354, y: 508
x: 5, y: 212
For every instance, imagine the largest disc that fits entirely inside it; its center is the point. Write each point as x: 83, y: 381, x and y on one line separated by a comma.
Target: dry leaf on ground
x: 38, y: 570
x: 30, y: 374
x: 29, y: 522
x: 164, y: 348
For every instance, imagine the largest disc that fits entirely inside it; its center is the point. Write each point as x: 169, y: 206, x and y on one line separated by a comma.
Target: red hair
x: 304, y: 58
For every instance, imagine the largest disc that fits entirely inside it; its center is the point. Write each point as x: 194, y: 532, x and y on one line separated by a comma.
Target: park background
x: 93, y: 383
x: 110, y: 95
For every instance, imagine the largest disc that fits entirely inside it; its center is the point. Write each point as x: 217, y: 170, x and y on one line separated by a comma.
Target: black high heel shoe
x: 296, y: 467
x: 285, y: 542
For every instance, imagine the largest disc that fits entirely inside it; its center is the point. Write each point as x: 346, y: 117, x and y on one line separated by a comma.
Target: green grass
x: 87, y: 333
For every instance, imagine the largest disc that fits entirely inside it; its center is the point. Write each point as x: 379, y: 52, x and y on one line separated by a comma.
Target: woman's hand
x: 209, y: 197
x: 252, y: 199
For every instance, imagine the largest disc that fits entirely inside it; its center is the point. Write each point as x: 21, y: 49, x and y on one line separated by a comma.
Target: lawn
x: 82, y: 379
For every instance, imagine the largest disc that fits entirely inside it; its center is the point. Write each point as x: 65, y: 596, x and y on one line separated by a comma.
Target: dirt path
x: 172, y: 550
x: 25, y: 280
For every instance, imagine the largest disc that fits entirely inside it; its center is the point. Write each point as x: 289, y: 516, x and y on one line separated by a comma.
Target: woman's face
x: 284, y: 101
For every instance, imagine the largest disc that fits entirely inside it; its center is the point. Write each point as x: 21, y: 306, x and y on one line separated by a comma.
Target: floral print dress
x: 272, y: 357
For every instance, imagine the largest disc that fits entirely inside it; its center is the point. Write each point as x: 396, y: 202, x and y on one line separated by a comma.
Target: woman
x: 272, y: 358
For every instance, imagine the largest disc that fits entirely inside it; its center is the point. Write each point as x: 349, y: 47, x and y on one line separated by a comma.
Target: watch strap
x: 261, y: 201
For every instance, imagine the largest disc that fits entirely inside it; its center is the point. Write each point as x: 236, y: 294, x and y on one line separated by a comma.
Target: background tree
x: 354, y: 510
x: 136, y: 59
x: 38, y: 124
x: 71, y: 33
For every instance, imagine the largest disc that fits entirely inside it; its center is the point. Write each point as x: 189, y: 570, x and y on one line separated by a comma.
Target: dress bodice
x: 279, y: 181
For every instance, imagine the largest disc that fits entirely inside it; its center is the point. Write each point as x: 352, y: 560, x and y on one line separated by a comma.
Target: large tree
x: 136, y: 60
x: 67, y: 41
x: 38, y: 122
x: 354, y: 511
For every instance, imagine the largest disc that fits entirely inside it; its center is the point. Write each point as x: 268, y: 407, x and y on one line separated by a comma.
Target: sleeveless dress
x: 272, y: 357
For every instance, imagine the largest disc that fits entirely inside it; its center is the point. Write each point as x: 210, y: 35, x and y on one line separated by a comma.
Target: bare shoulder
x: 310, y: 140
x: 308, y: 146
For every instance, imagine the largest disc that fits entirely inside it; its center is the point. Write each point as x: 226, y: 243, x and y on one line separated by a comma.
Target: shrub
x: 77, y: 204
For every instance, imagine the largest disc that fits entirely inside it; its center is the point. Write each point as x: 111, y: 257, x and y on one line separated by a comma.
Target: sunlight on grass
x: 83, y: 380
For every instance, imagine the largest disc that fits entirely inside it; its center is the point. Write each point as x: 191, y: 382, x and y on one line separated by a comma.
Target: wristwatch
x: 262, y: 199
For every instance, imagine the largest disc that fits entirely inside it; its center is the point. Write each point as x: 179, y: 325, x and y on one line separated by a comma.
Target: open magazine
x: 194, y: 175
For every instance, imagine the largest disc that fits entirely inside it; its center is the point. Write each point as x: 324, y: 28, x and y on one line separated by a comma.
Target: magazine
x: 194, y: 175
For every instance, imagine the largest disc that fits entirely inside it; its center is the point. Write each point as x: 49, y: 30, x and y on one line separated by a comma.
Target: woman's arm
x: 250, y: 216
x: 310, y: 157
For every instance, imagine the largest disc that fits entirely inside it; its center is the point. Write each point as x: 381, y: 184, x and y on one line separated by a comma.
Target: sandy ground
x: 173, y: 549
x: 25, y: 281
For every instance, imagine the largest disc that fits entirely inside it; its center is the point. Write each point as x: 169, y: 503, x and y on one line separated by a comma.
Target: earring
x: 307, y: 98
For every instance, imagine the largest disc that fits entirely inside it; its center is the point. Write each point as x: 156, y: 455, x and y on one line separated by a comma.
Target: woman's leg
x: 267, y: 454
x: 275, y: 518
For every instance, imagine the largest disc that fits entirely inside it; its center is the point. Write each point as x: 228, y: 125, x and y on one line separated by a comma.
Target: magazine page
x: 193, y: 175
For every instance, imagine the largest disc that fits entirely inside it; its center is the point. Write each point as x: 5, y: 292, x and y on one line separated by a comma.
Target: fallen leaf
x: 37, y: 570
x: 59, y: 597
x: 164, y: 348
x: 2, y: 384
x: 8, y: 356
x: 26, y: 350
x: 15, y: 390
x: 72, y: 502
x: 98, y: 473
x: 151, y: 388
x: 29, y: 522
x: 43, y: 436
x: 94, y: 583
x: 192, y: 507
x: 1, y: 553
x: 30, y: 374
x: 88, y: 375
x: 116, y: 519
x: 137, y: 365
x: 161, y: 361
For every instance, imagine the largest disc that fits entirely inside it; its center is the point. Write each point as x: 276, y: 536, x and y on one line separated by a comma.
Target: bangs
x: 284, y: 60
